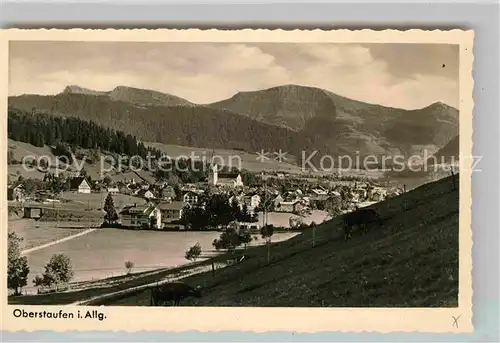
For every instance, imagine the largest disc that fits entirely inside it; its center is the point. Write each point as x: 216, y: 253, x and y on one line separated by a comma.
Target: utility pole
x: 88, y: 208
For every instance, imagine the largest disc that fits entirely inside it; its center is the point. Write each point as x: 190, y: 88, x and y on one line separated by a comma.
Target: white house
x: 252, y: 201
x: 80, y: 185
x: 172, y: 211
x: 146, y: 194
x: 253, y: 227
x: 190, y: 197
x: 141, y: 216
x: 319, y: 191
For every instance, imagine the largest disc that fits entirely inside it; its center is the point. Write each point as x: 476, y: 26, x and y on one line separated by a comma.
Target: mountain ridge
x: 136, y: 96
x: 309, y: 114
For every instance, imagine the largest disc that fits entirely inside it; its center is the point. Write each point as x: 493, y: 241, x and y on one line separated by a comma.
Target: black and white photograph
x: 271, y: 174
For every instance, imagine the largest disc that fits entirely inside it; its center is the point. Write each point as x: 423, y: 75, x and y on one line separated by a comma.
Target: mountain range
x: 289, y: 117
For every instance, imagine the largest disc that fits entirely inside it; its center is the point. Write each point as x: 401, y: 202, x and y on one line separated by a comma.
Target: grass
x: 104, y: 286
x: 37, y: 233
x: 412, y: 261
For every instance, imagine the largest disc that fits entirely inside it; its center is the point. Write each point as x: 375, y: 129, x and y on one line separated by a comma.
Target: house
x: 319, y: 191
x: 172, y: 211
x: 252, y: 201
x: 141, y: 216
x: 125, y: 190
x: 294, y: 206
x: 318, y: 201
x: 16, y: 192
x: 238, y: 198
x: 190, y: 197
x: 32, y: 212
x: 377, y: 194
x: 278, y: 200
x: 167, y: 193
x: 146, y: 194
x: 113, y: 190
x: 80, y: 185
x: 252, y: 227
x: 160, y: 184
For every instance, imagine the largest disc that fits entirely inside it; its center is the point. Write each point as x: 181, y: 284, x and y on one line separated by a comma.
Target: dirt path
x: 46, y: 245
x: 166, y: 279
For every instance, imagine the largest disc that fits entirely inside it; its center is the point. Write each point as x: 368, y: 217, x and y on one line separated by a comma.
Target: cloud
x: 204, y: 72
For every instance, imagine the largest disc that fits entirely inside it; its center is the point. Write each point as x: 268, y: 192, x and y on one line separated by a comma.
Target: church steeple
x: 213, y: 177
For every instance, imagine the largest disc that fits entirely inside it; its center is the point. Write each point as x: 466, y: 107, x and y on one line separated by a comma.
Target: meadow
x: 411, y: 261
x: 103, y: 253
x: 38, y: 233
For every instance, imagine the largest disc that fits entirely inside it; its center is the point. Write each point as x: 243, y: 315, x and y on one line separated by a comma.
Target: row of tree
x: 231, y: 238
x: 67, y: 135
x: 41, y: 129
x: 215, y: 211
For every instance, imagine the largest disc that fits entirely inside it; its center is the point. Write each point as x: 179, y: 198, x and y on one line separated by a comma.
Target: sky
x: 398, y: 75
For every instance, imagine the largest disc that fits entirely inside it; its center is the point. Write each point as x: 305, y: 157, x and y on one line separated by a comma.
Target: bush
x: 129, y: 265
x: 194, y: 252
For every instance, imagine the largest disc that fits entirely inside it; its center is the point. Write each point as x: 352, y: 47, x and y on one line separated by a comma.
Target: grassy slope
x: 412, y: 261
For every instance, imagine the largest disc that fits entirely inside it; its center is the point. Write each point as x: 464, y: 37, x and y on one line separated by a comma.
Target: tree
x: 57, y: 271
x: 229, y: 239
x: 245, y: 237
x: 109, y: 207
x: 10, y: 157
x: 194, y: 252
x: 129, y: 265
x: 17, y: 266
x: 267, y: 232
x: 108, y: 180
x: 334, y: 206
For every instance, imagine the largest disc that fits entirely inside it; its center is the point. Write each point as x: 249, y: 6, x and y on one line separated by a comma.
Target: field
x: 411, y: 261
x: 281, y: 219
x: 102, y: 253
x: 38, y: 233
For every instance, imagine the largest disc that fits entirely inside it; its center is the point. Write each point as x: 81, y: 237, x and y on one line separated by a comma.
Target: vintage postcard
x: 246, y: 180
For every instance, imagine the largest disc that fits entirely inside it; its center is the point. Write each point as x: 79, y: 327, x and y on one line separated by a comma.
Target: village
x: 158, y: 205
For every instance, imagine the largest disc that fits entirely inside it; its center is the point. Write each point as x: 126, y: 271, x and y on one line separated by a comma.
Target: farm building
x: 80, y: 185
x: 141, y: 216
x: 32, y: 212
